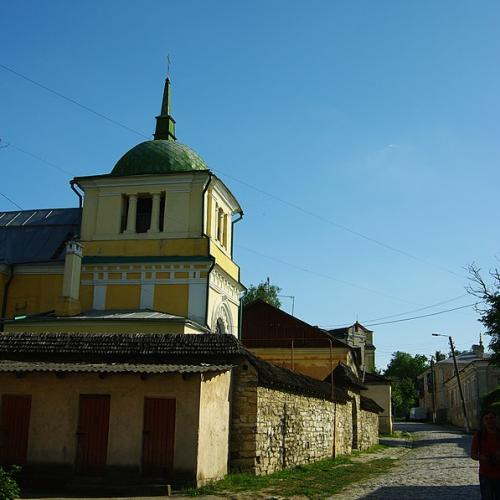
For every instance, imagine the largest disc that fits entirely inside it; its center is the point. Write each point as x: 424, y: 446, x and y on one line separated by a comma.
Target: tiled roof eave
x: 139, y: 368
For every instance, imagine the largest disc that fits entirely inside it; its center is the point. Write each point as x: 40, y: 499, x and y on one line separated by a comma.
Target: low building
x: 130, y: 407
x: 287, y: 341
x: 433, y: 393
x: 478, y: 378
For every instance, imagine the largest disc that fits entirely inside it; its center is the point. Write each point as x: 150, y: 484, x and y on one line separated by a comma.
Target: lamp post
x: 452, y: 347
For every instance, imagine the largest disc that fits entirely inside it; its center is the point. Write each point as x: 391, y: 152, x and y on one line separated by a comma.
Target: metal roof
x: 35, y: 236
x: 41, y: 366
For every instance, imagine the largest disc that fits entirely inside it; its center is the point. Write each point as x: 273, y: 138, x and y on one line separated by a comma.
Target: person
x: 486, y: 448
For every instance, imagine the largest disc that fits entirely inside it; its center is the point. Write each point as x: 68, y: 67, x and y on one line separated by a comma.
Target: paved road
x: 436, y: 467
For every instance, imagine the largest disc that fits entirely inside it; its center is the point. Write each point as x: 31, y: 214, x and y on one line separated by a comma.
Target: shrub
x: 9, y: 489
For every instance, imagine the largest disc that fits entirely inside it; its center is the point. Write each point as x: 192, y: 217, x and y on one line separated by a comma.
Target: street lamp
x: 452, y: 347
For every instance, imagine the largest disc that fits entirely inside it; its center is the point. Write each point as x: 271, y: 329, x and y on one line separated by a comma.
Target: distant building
x: 436, y: 396
x: 361, y: 338
x: 287, y: 341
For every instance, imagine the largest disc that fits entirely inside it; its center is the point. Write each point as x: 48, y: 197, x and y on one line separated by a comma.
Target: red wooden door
x: 93, y: 426
x: 14, y: 429
x: 158, y: 437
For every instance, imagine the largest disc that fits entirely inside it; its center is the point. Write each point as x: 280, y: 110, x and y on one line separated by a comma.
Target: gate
x: 14, y: 429
x: 158, y: 437
x: 93, y: 426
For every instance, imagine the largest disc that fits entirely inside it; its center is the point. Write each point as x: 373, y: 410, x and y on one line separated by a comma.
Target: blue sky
x: 379, y: 118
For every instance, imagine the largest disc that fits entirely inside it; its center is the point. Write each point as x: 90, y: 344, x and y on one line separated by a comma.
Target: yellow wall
x: 105, y: 326
x: 172, y: 299
x: 33, y: 293
x: 381, y: 394
x: 54, y: 414
x: 214, y: 427
x: 145, y: 247
x: 86, y: 297
x: 224, y: 261
x: 309, y: 361
x: 201, y: 425
x: 103, y: 204
x: 123, y: 296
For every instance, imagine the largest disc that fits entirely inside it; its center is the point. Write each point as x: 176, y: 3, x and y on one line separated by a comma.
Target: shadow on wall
x: 465, y: 492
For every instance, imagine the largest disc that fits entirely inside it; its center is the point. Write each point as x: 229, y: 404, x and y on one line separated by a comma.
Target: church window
x: 143, y: 217
x: 220, y: 327
x: 162, y: 212
x: 220, y: 224
x: 123, y: 225
x: 224, y: 231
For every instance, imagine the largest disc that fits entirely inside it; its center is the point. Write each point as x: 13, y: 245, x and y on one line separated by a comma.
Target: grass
x: 316, y: 480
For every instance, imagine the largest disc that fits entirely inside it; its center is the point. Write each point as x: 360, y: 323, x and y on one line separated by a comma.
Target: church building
x: 151, y: 245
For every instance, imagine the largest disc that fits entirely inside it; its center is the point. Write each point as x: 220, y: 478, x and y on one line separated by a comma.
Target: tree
x: 403, y: 371
x: 264, y: 291
x: 489, y: 307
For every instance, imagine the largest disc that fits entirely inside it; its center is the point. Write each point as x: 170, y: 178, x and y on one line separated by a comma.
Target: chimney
x: 69, y: 303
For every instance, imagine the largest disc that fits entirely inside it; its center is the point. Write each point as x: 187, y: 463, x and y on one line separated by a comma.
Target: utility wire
x: 340, y: 226
x: 73, y: 101
x: 12, y: 201
x: 266, y: 256
x: 315, y: 273
x: 423, y: 316
x: 403, y: 313
x: 281, y: 200
x: 39, y: 158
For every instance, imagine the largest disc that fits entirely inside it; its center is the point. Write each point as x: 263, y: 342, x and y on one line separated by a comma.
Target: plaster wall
x: 77, y: 326
x: 213, y: 446
x: 104, y: 205
x: 55, y: 407
x: 381, y: 394
x: 314, y: 362
x: 33, y: 293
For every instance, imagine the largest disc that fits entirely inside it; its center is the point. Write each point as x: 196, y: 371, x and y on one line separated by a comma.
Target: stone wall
x: 368, y: 424
x: 273, y: 429
x: 291, y: 430
x: 343, y: 429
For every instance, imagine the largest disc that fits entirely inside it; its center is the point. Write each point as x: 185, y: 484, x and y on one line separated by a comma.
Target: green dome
x: 158, y: 157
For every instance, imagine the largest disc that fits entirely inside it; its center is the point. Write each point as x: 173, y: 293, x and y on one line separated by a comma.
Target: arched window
x: 220, y: 328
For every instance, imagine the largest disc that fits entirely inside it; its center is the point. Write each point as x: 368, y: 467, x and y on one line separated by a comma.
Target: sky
x: 360, y: 138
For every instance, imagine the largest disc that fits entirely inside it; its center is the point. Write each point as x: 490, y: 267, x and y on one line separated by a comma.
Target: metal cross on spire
x: 168, y: 65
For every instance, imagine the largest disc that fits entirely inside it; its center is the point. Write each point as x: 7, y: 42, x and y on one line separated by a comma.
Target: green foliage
x: 403, y: 371
x: 264, y: 291
x: 489, y: 308
x: 491, y: 401
x: 8, y: 485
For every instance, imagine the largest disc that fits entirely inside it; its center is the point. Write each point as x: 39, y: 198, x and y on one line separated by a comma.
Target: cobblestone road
x: 436, y: 467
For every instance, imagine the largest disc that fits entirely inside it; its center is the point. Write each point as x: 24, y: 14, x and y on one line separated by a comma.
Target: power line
x: 423, y: 316
x: 404, y: 313
x: 315, y: 273
x: 340, y: 226
x: 39, y: 158
x: 12, y: 201
x: 281, y: 200
x: 74, y: 101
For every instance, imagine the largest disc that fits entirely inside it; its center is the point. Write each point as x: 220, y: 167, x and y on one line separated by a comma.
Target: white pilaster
x: 132, y: 213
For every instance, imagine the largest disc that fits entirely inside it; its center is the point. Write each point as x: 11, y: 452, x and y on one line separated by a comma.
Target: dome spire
x: 165, y: 123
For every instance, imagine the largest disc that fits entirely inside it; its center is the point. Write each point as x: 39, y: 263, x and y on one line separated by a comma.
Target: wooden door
x: 92, y: 434
x: 158, y: 437
x: 14, y: 429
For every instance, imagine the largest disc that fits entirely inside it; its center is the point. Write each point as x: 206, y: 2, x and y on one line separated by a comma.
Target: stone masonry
x: 273, y: 429
x: 368, y: 424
